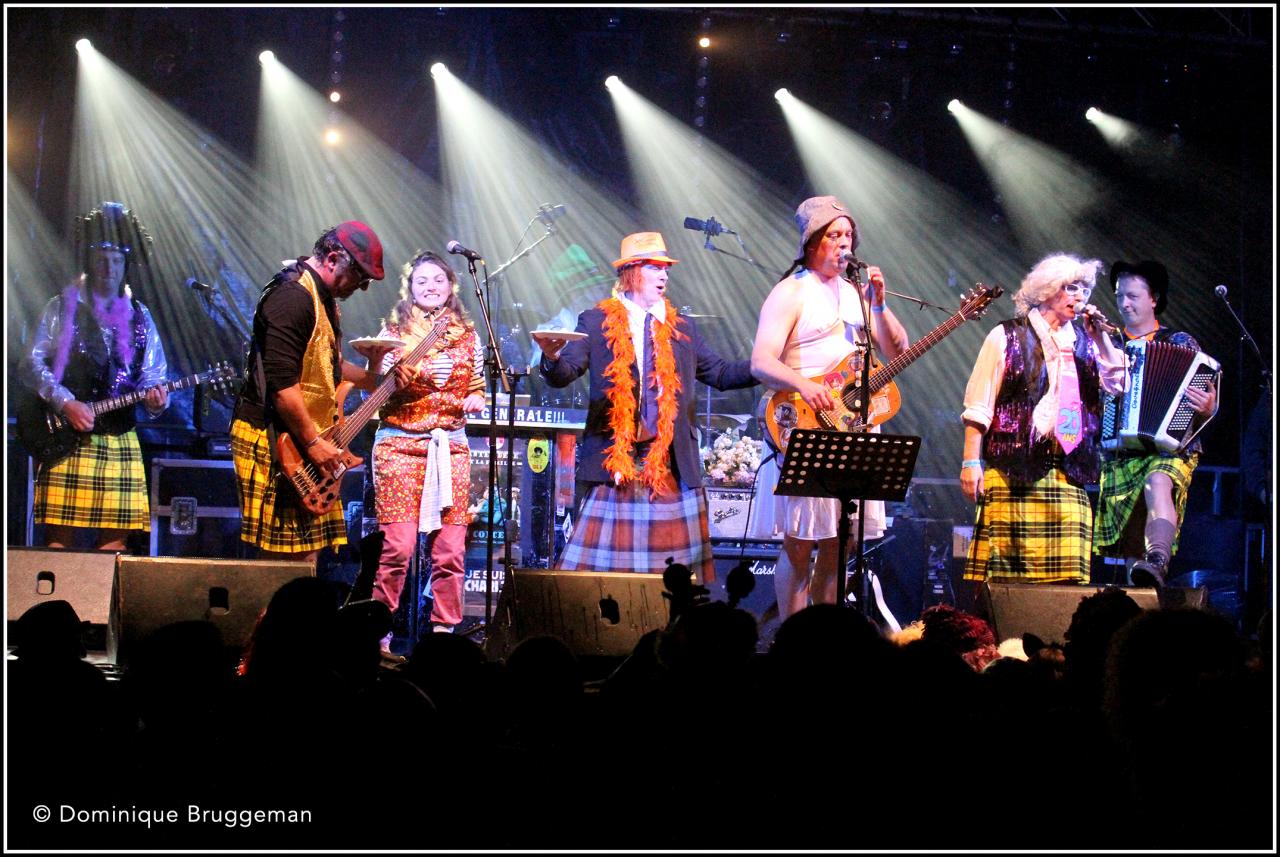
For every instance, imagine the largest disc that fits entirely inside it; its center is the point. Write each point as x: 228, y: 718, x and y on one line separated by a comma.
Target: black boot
x: 1150, y: 572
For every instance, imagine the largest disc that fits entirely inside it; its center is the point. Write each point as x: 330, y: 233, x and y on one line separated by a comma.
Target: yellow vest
x: 316, y: 378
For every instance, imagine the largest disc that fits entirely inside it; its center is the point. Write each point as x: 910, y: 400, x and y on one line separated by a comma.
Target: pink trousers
x: 447, y: 547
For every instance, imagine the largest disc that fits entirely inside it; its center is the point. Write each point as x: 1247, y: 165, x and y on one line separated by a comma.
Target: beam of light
x: 332, y: 137
x: 439, y: 69
x: 611, y: 81
x: 266, y: 57
x: 194, y: 196
x: 955, y: 105
x: 708, y: 182
x: 1047, y: 195
x: 37, y: 263
x: 308, y: 185
x: 1119, y: 133
x: 84, y: 46
x: 497, y: 175
x: 1173, y: 216
x: 704, y: 42
x: 929, y: 242
x: 782, y: 93
x: 335, y: 96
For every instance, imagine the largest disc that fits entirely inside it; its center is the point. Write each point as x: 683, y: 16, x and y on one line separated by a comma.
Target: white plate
x: 569, y: 335
x: 373, y: 342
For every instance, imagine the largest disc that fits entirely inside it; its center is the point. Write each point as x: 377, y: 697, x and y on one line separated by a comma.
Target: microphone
x: 1098, y: 318
x: 548, y: 212
x: 193, y: 283
x: 710, y: 226
x: 458, y: 249
x: 1221, y: 291
x: 847, y: 258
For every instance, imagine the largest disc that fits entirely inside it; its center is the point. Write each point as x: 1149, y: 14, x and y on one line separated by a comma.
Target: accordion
x: 1153, y: 413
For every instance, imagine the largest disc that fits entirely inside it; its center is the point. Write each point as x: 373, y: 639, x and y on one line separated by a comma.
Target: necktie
x: 1069, y: 424
x: 649, y: 385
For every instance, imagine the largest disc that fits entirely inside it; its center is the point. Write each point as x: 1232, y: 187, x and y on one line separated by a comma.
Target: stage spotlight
x: 1092, y: 114
x: 438, y: 69
x: 704, y: 42
x: 335, y: 96
x: 83, y: 45
x: 611, y: 81
x: 782, y: 93
x: 332, y: 137
x: 954, y: 105
x: 266, y: 57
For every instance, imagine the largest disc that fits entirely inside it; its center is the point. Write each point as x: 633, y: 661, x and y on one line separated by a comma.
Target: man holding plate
x: 640, y: 468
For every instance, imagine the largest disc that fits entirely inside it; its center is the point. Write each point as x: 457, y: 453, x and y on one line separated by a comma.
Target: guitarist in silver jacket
x: 95, y: 341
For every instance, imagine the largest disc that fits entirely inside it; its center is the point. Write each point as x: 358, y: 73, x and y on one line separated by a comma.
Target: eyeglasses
x: 1078, y: 288
x: 364, y: 279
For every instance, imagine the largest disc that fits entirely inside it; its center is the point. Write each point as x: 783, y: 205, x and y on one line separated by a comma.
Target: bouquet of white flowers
x: 732, y: 459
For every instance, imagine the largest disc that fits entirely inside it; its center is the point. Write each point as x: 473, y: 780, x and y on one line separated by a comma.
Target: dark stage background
x: 1201, y: 80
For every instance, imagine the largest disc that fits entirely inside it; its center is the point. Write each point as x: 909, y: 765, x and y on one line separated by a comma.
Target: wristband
x: 971, y: 462
x: 312, y: 442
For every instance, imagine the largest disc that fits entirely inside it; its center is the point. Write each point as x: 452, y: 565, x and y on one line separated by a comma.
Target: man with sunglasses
x: 1032, y: 428
x: 292, y: 373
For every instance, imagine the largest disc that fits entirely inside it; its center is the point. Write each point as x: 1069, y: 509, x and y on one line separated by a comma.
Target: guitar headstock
x: 977, y: 300
x: 220, y: 376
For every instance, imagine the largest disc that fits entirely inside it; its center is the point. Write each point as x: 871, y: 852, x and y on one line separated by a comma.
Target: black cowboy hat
x: 1153, y: 272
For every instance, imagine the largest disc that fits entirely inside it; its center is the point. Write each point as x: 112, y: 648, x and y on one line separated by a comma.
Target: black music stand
x: 851, y: 467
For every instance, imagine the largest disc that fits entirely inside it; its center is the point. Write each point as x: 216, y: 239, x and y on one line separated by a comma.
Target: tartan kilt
x: 267, y: 520
x: 1039, y: 533
x: 101, y: 484
x: 622, y: 529
x: 1117, y: 531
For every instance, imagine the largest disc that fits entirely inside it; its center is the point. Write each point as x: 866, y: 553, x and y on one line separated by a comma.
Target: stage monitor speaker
x: 593, y: 613
x: 1045, y: 609
x: 151, y: 592
x: 81, y: 578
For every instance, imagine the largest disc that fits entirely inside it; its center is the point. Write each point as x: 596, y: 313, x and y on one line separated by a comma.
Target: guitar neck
x: 885, y: 373
x: 107, y: 405
x: 360, y: 417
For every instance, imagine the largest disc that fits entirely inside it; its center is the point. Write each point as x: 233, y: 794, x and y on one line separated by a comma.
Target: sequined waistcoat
x: 1009, y: 444
x: 94, y: 371
x: 422, y: 406
x: 319, y: 370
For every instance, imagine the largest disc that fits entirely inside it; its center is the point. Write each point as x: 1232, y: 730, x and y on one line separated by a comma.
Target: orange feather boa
x: 656, y: 471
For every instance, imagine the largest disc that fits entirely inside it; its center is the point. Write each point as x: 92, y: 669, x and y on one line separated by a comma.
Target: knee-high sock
x: 1159, y: 535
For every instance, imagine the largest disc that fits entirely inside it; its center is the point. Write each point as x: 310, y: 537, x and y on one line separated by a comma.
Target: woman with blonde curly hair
x: 421, y: 460
x: 1032, y: 416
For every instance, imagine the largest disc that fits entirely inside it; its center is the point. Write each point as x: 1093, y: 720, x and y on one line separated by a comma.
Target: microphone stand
x: 864, y: 404
x: 745, y: 258
x: 921, y: 301
x: 1245, y: 336
x: 496, y: 370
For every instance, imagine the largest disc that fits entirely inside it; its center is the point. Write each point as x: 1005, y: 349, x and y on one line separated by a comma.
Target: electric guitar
x: 785, y: 411
x: 50, y: 437
x: 315, y: 489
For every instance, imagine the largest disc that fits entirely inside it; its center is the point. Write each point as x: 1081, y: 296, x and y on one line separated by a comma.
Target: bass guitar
x: 317, y: 490
x: 785, y: 411
x: 50, y: 437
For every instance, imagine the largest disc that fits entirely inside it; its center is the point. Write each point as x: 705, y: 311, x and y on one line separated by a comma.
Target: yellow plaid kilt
x: 101, y: 484
x: 1030, y: 534
x: 266, y: 520
x: 1118, y: 531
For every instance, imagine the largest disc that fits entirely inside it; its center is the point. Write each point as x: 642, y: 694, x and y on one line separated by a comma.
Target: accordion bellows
x: 1153, y: 413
